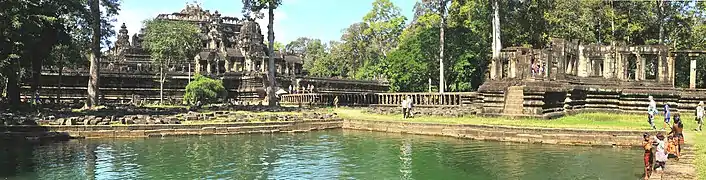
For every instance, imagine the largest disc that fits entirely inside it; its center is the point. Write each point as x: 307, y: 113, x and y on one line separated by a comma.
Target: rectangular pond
x: 331, y: 154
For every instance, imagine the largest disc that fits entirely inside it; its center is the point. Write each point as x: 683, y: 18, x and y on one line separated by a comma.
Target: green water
x: 336, y: 154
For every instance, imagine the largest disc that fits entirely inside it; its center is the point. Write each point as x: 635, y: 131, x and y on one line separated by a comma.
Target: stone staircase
x: 514, y: 99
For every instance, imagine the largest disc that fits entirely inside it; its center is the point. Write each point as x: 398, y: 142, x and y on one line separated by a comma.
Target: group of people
x: 659, y: 148
x: 652, y: 112
x: 407, y: 107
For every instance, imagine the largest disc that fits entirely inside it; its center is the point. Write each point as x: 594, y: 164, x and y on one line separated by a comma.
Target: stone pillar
x: 549, y: 65
x: 208, y: 67
x: 227, y: 65
x: 583, y: 63
x: 619, y: 66
x: 513, y: 67
x: 670, y: 68
x: 661, y: 67
x: 493, y: 69
x: 639, y: 67
x: 263, y: 65
x: 692, y: 71
x: 608, y: 61
x: 198, y: 65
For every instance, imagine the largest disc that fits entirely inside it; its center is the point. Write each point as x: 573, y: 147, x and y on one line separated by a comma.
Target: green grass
x: 697, y: 139
x: 603, y: 121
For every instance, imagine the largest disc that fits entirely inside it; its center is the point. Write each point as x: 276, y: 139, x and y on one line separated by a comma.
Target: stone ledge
x: 566, y: 136
x: 132, y: 131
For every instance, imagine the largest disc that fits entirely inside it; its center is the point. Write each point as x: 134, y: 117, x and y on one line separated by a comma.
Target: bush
x: 204, y: 89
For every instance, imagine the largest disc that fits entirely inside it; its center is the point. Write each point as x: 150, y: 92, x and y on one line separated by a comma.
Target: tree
x: 204, y: 89
x: 38, y: 26
x: 270, y: 5
x: 93, y: 80
x: 170, y: 42
x: 442, y: 14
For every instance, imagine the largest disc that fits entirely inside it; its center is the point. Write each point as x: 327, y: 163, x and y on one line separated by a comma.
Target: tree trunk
x: 161, y: 85
x: 93, y: 83
x: 661, y: 22
x: 442, y: 6
x: 61, y: 74
x: 13, y: 91
x: 271, y: 69
x: 497, y: 44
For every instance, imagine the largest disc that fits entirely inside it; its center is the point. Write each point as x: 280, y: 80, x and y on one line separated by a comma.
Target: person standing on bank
x: 404, y: 108
x: 410, y: 103
x: 676, y: 132
x: 700, y: 114
x: 647, y: 146
x: 651, y: 112
x: 661, y: 154
x: 667, y: 115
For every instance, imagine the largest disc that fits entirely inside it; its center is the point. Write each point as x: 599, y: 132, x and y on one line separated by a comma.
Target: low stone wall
x: 505, y: 133
x: 160, y: 130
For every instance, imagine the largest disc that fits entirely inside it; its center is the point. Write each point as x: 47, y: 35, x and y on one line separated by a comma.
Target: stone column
x: 583, y: 63
x: 208, y: 67
x: 263, y: 65
x: 640, y: 67
x: 549, y: 65
x: 670, y: 68
x: 608, y: 61
x: 692, y: 71
x: 493, y: 69
x: 227, y: 65
x: 198, y: 65
x: 619, y: 66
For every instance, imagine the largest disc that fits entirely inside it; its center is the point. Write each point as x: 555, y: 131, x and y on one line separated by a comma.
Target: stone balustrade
x: 384, y: 99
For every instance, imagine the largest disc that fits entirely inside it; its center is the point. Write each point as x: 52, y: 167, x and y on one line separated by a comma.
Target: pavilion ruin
x: 568, y: 77
x: 233, y: 51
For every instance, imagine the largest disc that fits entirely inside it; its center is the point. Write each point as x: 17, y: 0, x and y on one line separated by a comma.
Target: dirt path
x: 682, y: 168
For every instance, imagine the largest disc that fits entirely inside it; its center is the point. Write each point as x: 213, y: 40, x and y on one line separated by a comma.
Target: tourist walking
x: 647, y: 146
x: 661, y: 153
x: 651, y: 112
x: 667, y: 115
x: 700, y: 115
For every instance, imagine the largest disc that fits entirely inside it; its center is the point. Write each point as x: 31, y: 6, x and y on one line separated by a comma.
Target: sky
x: 322, y: 19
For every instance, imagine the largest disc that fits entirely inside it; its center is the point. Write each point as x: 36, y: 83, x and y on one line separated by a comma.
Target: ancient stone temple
x: 233, y: 51
x: 568, y: 77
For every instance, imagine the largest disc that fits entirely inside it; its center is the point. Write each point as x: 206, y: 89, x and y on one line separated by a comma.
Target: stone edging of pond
x: 161, y: 130
x: 478, y: 132
x: 507, y: 133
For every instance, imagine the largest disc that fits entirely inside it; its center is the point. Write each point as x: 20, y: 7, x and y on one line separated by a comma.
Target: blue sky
x: 323, y: 19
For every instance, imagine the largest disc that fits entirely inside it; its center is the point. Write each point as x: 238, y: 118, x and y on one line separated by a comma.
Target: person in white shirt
x: 700, y: 114
x: 651, y: 112
x: 404, y: 108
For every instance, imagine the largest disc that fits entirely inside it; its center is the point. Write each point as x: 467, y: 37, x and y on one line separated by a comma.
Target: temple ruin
x: 564, y: 78
x: 233, y: 51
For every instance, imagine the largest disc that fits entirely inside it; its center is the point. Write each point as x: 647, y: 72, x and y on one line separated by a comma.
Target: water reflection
x: 338, y: 154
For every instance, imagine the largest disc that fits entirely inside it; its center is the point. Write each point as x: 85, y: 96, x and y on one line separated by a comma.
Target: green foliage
x: 171, y: 41
x: 204, y: 89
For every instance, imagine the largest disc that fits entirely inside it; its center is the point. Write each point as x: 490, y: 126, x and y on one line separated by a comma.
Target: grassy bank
x: 580, y: 121
x: 699, y: 142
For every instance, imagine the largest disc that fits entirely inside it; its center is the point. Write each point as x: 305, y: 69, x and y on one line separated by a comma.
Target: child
x: 661, y: 154
x: 666, y: 116
x: 647, y: 146
x: 677, y: 133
